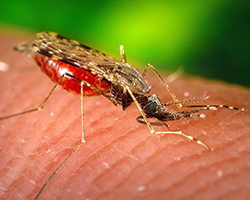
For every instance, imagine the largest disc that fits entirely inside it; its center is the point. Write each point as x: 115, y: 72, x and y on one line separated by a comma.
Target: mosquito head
x: 152, y: 106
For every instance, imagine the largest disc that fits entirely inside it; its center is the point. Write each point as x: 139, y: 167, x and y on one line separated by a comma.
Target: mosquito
x: 82, y: 70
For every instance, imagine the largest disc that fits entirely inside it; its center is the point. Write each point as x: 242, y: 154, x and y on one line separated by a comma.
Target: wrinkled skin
x: 120, y: 159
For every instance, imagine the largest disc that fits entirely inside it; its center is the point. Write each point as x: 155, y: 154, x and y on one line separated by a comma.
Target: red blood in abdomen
x: 55, y: 69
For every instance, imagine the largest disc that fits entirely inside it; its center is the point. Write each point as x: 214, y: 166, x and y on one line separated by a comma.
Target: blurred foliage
x: 208, y: 38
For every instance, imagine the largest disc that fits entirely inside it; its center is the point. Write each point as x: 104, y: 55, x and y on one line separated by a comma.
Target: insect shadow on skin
x: 82, y: 70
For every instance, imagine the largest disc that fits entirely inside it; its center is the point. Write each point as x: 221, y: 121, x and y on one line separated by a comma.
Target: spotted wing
x: 72, y: 52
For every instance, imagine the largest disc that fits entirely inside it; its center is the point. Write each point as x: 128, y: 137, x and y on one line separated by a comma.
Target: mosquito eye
x: 150, y: 109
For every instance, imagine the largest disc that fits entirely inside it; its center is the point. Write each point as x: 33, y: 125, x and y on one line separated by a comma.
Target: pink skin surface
x: 120, y: 159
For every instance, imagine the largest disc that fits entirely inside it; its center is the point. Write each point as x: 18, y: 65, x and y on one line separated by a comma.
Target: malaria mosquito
x: 88, y: 72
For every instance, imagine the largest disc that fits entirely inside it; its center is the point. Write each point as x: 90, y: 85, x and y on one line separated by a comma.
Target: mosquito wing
x: 72, y: 52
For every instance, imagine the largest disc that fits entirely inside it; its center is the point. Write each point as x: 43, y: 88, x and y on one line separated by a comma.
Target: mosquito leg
x: 82, y: 113
x: 179, y: 105
x: 83, y: 134
x: 72, y: 153
x: 40, y: 107
x: 214, y: 107
x: 172, y: 132
x: 57, y: 169
x: 187, y: 101
x: 151, y: 129
x: 185, y: 135
x: 94, y: 88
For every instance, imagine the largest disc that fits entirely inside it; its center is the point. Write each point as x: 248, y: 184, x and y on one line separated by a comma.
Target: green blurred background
x: 208, y: 38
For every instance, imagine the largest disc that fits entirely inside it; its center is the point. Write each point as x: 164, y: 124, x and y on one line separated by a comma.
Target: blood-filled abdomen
x: 55, y: 69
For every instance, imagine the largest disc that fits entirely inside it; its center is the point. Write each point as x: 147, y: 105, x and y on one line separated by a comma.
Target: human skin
x: 120, y: 159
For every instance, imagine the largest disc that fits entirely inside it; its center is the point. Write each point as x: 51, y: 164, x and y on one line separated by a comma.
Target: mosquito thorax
x: 125, y: 75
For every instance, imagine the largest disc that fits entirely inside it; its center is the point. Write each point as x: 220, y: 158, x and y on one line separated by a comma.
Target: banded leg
x: 191, y: 113
x: 214, y: 107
